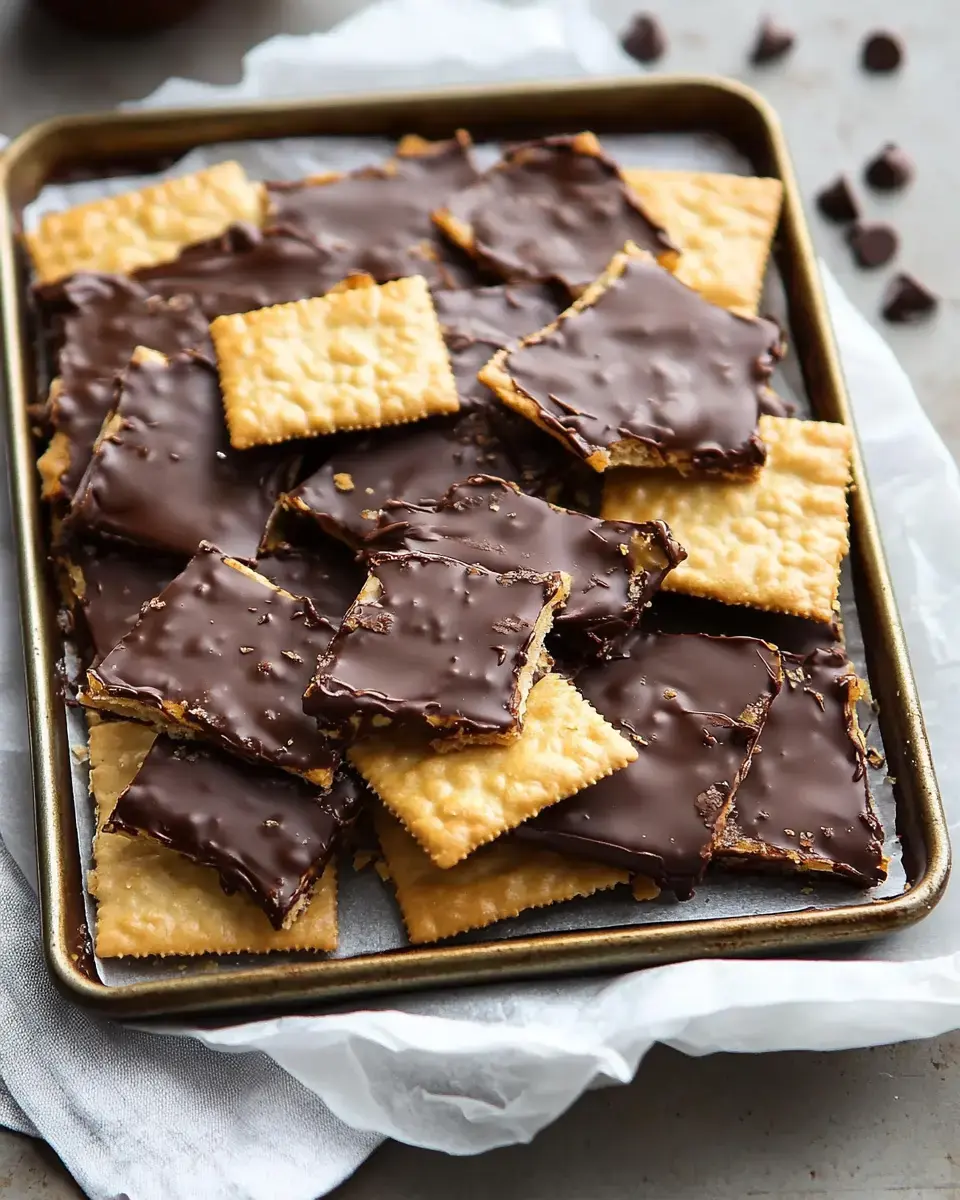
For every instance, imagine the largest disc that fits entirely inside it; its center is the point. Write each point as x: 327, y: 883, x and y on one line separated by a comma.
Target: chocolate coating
x: 772, y: 43
x: 837, y: 201
x: 244, y: 269
x: 113, y: 317
x: 881, y: 52
x: 891, y: 170
x: 265, y: 833
x: 614, y: 566
x: 416, y: 463
x: 682, y: 700
x: 807, y: 790
x: 378, y: 219
x: 644, y: 39
x: 673, y: 612
x: 440, y: 650
x: 873, y: 245
x: 907, y: 300
x: 476, y: 322
x: 237, y: 654
x: 168, y: 477
x: 653, y: 363
x: 117, y: 582
x: 326, y: 574
x: 550, y: 211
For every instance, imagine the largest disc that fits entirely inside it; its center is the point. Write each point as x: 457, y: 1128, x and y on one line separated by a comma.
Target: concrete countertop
x: 862, y: 1125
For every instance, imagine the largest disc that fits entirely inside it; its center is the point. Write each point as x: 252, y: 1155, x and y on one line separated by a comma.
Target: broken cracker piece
x: 499, y: 881
x: 150, y: 900
x: 453, y: 803
x: 773, y: 542
x: 146, y: 227
x: 723, y: 225
x: 353, y: 359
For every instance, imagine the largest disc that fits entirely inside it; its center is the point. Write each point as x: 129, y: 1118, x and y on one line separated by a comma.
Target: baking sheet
x: 369, y: 919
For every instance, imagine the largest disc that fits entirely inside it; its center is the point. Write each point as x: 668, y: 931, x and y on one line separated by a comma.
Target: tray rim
x: 269, y: 985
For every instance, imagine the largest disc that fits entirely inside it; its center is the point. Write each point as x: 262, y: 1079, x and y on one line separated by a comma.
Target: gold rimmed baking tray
x: 677, y: 104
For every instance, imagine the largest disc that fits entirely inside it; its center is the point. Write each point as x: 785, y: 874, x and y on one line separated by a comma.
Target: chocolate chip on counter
x: 837, y: 201
x: 906, y: 300
x: 873, y: 245
x: 772, y: 42
x: 644, y: 39
x: 881, y: 52
x: 890, y: 170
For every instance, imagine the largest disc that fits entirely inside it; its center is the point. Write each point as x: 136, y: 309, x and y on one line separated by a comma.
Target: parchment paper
x: 469, y: 1070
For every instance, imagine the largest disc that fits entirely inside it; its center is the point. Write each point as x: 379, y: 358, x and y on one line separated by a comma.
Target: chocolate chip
x: 772, y: 43
x: 644, y: 39
x: 906, y: 300
x: 891, y: 170
x: 837, y: 201
x: 881, y: 52
x: 873, y: 245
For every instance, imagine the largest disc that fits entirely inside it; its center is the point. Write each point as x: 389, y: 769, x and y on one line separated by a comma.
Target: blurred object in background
x: 125, y: 17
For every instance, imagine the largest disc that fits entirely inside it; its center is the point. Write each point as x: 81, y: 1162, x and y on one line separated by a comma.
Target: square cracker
x: 773, y: 542
x: 723, y: 225
x: 150, y: 900
x: 454, y: 802
x: 499, y: 881
x: 142, y: 229
x: 357, y: 358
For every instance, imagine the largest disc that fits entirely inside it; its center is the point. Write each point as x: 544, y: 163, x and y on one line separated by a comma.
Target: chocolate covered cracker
x: 438, y: 647
x: 107, y: 318
x: 642, y: 371
x: 377, y: 220
x: 325, y: 573
x: 164, y: 475
x: 246, y: 268
x: 806, y: 802
x: 693, y: 706
x: 614, y: 567
x: 264, y: 832
x: 151, y: 900
x: 108, y: 585
x: 477, y: 321
x: 222, y: 654
x: 418, y: 464
x: 555, y: 210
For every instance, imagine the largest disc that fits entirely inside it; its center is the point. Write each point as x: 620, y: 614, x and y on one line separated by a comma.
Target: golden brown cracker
x: 723, y: 224
x: 118, y: 234
x: 499, y: 881
x: 773, y: 542
x: 356, y: 359
x: 151, y: 900
x: 454, y: 802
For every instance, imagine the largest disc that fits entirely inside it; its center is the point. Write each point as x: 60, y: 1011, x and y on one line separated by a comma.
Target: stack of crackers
x: 451, y: 508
